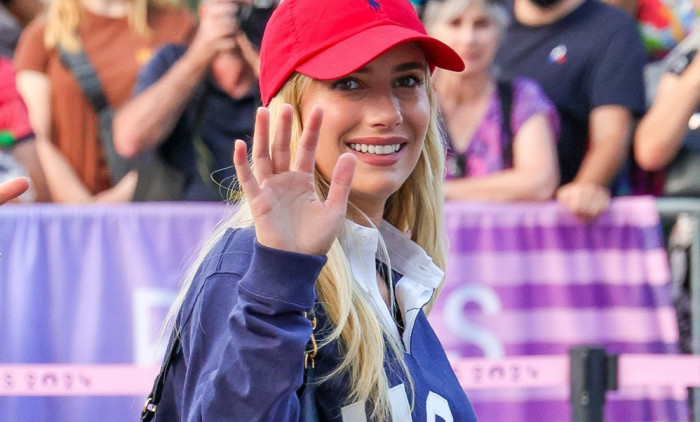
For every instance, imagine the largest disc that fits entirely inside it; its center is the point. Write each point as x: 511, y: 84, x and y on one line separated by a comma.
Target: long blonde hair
x: 416, y: 208
x: 63, y: 18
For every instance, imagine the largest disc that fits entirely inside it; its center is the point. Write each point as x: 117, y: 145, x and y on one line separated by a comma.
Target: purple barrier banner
x: 89, y: 285
x: 529, y: 279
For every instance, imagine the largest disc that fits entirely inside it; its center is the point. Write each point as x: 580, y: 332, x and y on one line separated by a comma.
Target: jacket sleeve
x: 244, y: 342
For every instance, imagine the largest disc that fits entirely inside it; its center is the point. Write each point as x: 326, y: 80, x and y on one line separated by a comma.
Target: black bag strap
x: 307, y: 400
x: 78, y: 63
x: 309, y: 408
x: 505, y: 95
x: 86, y: 76
x: 151, y: 405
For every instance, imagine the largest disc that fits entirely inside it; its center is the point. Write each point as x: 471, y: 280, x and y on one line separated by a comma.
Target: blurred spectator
x: 668, y: 139
x: 662, y: 23
x: 588, y: 58
x: 117, y: 38
x: 501, y: 134
x: 23, y: 10
x: 18, y: 154
x: 191, y: 104
x: 15, y: 14
x: 672, y: 117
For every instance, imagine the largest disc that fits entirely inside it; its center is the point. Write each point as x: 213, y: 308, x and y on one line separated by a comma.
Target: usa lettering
x: 435, y: 406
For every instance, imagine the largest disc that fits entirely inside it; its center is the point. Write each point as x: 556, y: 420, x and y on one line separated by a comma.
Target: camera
x: 252, y: 18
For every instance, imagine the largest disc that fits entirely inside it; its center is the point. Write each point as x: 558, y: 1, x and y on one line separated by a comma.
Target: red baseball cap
x: 328, y: 39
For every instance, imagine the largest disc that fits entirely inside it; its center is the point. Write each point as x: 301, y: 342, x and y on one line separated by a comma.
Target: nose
x: 467, y: 35
x: 384, y: 110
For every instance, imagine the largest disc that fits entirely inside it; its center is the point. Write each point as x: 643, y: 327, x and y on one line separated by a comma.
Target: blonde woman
x: 343, y: 215
x: 501, y: 134
x: 118, y: 37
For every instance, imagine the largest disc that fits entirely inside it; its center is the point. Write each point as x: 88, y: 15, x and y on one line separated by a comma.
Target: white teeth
x: 376, y: 149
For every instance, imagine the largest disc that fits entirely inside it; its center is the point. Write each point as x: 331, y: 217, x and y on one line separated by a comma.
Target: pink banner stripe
x: 519, y: 372
x: 635, y: 370
x: 642, y: 370
x: 76, y: 380
x: 631, y: 267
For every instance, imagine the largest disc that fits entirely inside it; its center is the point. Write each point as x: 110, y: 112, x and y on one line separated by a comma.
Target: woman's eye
x: 345, y: 84
x: 409, y: 81
x: 482, y: 23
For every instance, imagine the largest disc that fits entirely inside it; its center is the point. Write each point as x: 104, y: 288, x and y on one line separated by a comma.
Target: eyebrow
x: 410, y: 66
x: 399, y: 68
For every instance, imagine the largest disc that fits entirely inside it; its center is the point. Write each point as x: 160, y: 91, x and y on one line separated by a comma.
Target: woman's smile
x: 378, y: 151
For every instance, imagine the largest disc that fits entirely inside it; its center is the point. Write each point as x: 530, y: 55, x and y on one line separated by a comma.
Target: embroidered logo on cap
x: 374, y: 4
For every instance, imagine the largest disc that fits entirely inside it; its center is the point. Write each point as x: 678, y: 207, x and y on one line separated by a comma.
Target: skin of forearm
x: 660, y: 133
x: 602, y: 163
x: 506, y: 185
x: 63, y: 182
x: 610, y: 128
x: 147, y: 119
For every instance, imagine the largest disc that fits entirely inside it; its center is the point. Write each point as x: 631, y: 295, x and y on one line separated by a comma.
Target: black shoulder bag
x: 84, y: 73
x: 307, y: 393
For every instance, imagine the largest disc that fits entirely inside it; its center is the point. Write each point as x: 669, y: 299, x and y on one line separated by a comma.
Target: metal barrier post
x: 671, y: 207
x: 590, y: 379
x: 695, y: 303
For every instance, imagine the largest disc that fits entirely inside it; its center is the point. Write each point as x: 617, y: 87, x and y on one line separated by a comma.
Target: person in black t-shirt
x: 588, y: 57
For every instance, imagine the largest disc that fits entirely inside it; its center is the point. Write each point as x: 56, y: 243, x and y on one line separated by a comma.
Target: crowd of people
x: 540, y: 112
x: 354, y: 109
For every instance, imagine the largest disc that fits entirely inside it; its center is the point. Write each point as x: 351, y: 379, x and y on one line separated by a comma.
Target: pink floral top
x: 484, y: 155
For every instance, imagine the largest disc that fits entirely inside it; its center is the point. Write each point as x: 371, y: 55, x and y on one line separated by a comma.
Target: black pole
x: 593, y: 372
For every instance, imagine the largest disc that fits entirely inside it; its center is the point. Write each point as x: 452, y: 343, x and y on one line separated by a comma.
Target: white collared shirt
x: 420, y: 274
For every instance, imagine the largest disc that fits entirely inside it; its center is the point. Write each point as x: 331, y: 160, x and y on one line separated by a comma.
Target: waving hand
x: 287, y: 212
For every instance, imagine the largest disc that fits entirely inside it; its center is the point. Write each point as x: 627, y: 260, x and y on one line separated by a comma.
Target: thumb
x: 341, y: 183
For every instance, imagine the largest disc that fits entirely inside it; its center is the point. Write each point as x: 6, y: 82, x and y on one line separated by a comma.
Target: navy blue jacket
x: 244, y: 335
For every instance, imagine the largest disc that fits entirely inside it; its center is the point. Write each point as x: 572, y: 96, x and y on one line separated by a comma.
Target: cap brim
x: 355, y: 52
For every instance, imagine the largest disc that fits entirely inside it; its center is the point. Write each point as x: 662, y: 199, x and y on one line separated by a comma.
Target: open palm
x: 288, y: 213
